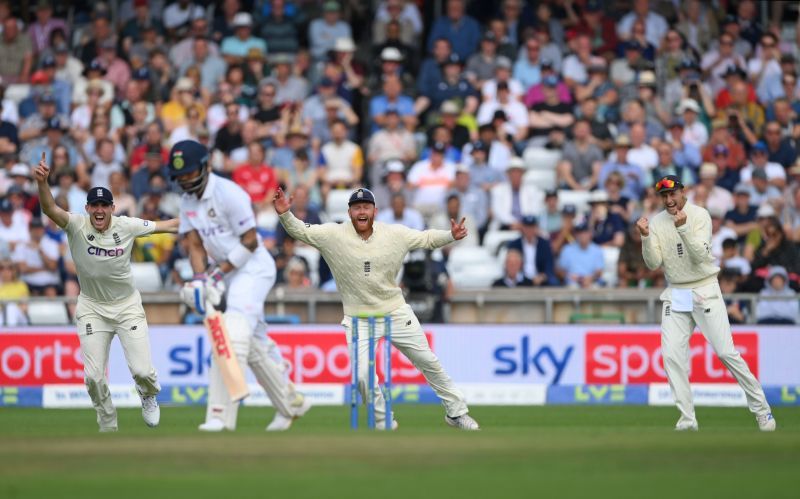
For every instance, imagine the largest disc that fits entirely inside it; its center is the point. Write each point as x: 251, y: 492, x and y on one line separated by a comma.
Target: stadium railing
x: 481, y: 306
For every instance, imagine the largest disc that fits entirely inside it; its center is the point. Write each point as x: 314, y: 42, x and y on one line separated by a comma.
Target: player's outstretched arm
x: 313, y: 235
x: 170, y: 226
x: 431, y: 238
x: 49, y: 207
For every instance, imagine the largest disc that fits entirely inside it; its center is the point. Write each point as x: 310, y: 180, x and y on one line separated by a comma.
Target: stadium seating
x: 580, y: 199
x: 543, y: 179
x: 539, y: 158
x: 336, y: 205
x: 472, y: 267
x: 494, y: 239
x: 610, y: 259
x: 146, y: 277
x: 311, y: 255
x: 44, y: 313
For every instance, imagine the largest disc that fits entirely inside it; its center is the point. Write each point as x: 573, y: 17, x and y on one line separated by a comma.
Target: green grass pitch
x: 542, y: 452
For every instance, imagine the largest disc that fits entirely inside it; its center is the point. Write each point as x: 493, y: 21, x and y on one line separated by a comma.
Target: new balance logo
x: 708, y: 310
x: 134, y: 328
x: 408, y: 323
x: 90, y: 237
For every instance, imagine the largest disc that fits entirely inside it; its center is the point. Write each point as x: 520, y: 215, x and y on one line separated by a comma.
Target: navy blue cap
x: 529, y: 220
x: 48, y: 61
x: 54, y: 123
x: 5, y: 206
x: 453, y: 59
x: 547, y: 63
x: 141, y: 74
x: 569, y: 209
x: 479, y: 145
x: 95, y: 65
x: 582, y: 227
x: 760, y: 146
x: 633, y: 45
x: 438, y: 147
x: 550, y: 81
x: 99, y: 195
x: 361, y: 196
x: 326, y: 82
x: 687, y: 63
x: 47, y: 98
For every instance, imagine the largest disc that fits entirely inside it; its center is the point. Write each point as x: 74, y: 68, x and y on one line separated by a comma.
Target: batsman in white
x: 679, y: 239
x: 218, y: 220
x: 365, y: 258
x: 108, y: 303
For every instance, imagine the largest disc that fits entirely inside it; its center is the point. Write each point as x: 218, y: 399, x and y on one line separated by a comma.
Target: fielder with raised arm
x: 679, y: 238
x: 365, y: 258
x: 218, y: 220
x: 108, y: 303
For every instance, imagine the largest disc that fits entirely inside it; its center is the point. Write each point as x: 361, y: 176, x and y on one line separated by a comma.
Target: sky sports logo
x: 95, y: 251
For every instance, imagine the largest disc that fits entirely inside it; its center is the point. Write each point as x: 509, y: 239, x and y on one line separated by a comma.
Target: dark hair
x: 729, y: 243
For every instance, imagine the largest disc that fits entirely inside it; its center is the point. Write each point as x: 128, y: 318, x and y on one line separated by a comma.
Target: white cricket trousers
x: 97, y: 324
x: 244, y: 317
x: 408, y: 337
x: 711, y: 316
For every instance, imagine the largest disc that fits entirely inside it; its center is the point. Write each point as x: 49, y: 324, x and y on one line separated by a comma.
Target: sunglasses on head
x: 665, y: 183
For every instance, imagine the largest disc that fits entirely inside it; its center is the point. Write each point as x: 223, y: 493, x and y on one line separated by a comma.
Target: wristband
x: 216, y: 275
x: 239, y: 255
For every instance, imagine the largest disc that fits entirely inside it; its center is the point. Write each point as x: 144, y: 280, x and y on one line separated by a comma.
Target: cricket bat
x: 229, y: 368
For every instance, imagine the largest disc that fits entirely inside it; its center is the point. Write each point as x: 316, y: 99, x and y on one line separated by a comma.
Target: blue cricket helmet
x: 189, y: 156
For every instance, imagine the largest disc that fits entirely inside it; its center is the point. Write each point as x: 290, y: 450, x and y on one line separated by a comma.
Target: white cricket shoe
x: 463, y: 422
x: 766, y: 422
x: 686, y: 426
x: 108, y: 429
x: 212, y: 425
x: 150, y: 411
x: 280, y: 423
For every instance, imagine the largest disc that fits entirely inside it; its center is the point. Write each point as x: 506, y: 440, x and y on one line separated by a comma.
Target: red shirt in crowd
x: 259, y: 181
x: 140, y: 152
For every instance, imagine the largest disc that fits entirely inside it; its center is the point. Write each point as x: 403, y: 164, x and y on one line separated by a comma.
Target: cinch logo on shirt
x: 95, y: 251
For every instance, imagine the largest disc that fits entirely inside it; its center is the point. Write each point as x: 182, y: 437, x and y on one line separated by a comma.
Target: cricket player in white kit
x: 679, y: 238
x: 217, y: 218
x: 108, y: 303
x: 365, y: 259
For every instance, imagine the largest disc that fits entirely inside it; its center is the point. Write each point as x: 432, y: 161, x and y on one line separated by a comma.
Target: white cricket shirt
x: 365, y: 270
x: 685, y: 251
x: 220, y: 216
x: 103, y: 259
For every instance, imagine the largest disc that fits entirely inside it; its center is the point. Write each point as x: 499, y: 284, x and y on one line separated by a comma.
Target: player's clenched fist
x: 680, y: 218
x: 644, y: 227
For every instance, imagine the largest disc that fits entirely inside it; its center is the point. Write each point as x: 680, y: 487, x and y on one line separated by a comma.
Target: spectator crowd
x: 544, y: 123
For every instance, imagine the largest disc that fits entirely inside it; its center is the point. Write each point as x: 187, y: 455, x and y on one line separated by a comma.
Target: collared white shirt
x: 221, y: 215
